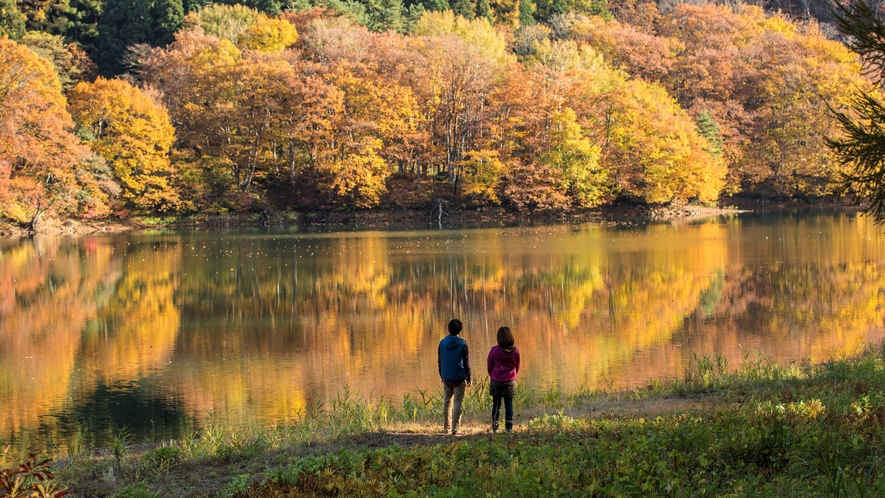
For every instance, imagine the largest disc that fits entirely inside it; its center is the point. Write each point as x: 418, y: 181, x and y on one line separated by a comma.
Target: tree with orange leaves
x: 43, y: 168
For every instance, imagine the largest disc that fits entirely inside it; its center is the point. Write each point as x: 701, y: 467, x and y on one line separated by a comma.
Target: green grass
x: 760, y: 429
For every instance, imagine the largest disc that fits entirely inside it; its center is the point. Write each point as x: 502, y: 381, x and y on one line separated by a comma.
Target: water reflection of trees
x: 589, y: 307
x: 49, y: 289
x: 257, y: 327
x: 368, y: 311
x: 78, y: 314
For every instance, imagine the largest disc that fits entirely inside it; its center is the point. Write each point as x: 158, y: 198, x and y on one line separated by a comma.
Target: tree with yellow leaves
x: 133, y: 134
x: 268, y: 35
x: 655, y: 149
x: 576, y: 159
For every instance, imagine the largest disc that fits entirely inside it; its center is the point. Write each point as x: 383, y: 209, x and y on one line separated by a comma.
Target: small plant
x: 162, y: 458
x: 120, y: 441
x: 239, y: 485
x: 31, y: 478
x: 137, y: 490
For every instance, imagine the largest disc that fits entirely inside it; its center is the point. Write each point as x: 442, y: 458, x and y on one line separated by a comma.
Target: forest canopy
x: 220, y: 108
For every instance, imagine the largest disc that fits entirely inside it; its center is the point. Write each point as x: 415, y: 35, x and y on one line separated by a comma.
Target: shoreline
x: 613, y: 215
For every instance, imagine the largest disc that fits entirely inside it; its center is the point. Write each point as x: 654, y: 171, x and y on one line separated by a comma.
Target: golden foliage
x: 39, y: 156
x: 133, y: 134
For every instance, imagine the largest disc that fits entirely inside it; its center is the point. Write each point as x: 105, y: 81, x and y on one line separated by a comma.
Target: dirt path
x: 474, y: 428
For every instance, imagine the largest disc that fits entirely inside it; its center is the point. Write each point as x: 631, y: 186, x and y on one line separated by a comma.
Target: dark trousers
x: 496, y: 413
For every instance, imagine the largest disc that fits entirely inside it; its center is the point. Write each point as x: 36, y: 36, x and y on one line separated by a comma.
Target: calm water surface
x: 160, y: 332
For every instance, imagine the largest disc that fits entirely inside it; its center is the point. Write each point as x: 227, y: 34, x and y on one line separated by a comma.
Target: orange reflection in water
x: 253, y: 328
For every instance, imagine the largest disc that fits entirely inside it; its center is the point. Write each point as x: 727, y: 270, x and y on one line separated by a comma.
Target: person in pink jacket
x: 503, y: 365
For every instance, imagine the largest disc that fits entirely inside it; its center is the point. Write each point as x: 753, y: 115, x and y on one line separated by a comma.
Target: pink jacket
x: 503, y: 365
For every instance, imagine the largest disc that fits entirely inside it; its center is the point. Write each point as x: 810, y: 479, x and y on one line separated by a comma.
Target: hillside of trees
x: 140, y: 107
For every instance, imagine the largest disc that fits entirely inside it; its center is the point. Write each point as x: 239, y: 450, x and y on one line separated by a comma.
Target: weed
x: 163, y: 457
x: 121, y: 438
x: 31, y: 478
x: 138, y: 490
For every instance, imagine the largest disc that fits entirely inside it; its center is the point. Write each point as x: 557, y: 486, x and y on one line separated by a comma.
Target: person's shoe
x: 458, y: 433
x: 509, y: 426
x: 494, y: 427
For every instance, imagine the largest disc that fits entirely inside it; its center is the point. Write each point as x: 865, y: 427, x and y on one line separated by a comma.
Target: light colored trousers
x: 452, y: 409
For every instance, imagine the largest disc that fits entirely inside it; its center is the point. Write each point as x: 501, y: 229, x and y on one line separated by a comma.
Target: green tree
x: 483, y: 10
x: 546, y: 9
x: 388, y: 16
x: 463, y: 8
x: 166, y: 17
x: 12, y: 22
x: 709, y: 129
x: 82, y: 21
x: 526, y: 12
x: 123, y: 23
x: 862, y: 149
x: 435, y: 5
x: 413, y: 13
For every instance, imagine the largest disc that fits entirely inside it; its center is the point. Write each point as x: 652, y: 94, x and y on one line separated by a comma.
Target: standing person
x: 503, y: 365
x: 454, y: 370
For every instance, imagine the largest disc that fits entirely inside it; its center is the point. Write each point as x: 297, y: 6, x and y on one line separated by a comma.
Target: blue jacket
x: 454, y: 359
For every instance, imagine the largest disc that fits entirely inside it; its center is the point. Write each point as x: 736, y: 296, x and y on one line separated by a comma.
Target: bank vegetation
x: 319, y: 109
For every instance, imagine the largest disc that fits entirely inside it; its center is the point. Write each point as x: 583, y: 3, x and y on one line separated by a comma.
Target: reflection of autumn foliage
x: 824, y: 299
x: 49, y: 289
x: 368, y: 310
x: 258, y: 327
x: 134, y: 334
x: 588, y: 306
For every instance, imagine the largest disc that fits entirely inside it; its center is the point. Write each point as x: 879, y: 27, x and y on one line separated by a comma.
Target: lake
x: 161, y: 332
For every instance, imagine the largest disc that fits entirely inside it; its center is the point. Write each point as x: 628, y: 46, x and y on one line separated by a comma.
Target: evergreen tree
x: 388, y: 16
x: 484, y: 10
x: 709, y: 129
x: 593, y: 8
x: 82, y: 25
x: 12, y: 22
x: 192, y: 5
x: 526, y: 13
x: 413, y: 14
x: 435, y: 5
x: 863, y: 147
x: 269, y: 7
x: 167, y: 16
x: 123, y: 23
x: 463, y: 8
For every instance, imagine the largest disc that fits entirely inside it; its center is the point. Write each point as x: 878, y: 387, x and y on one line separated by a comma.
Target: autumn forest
x: 157, y: 108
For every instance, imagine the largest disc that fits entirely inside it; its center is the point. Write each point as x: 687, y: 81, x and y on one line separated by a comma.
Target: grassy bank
x: 758, y: 430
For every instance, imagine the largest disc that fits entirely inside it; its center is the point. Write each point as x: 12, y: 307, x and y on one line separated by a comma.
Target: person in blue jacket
x: 454, y: 370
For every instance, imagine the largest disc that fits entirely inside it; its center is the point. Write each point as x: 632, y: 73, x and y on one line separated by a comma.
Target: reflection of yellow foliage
x: 269, y: 329
x: 49, y: 295
x: 134, y: 334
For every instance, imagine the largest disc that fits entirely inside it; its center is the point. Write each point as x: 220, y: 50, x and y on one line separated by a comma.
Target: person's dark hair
x: 455, y: 326
x: 505, y: 338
